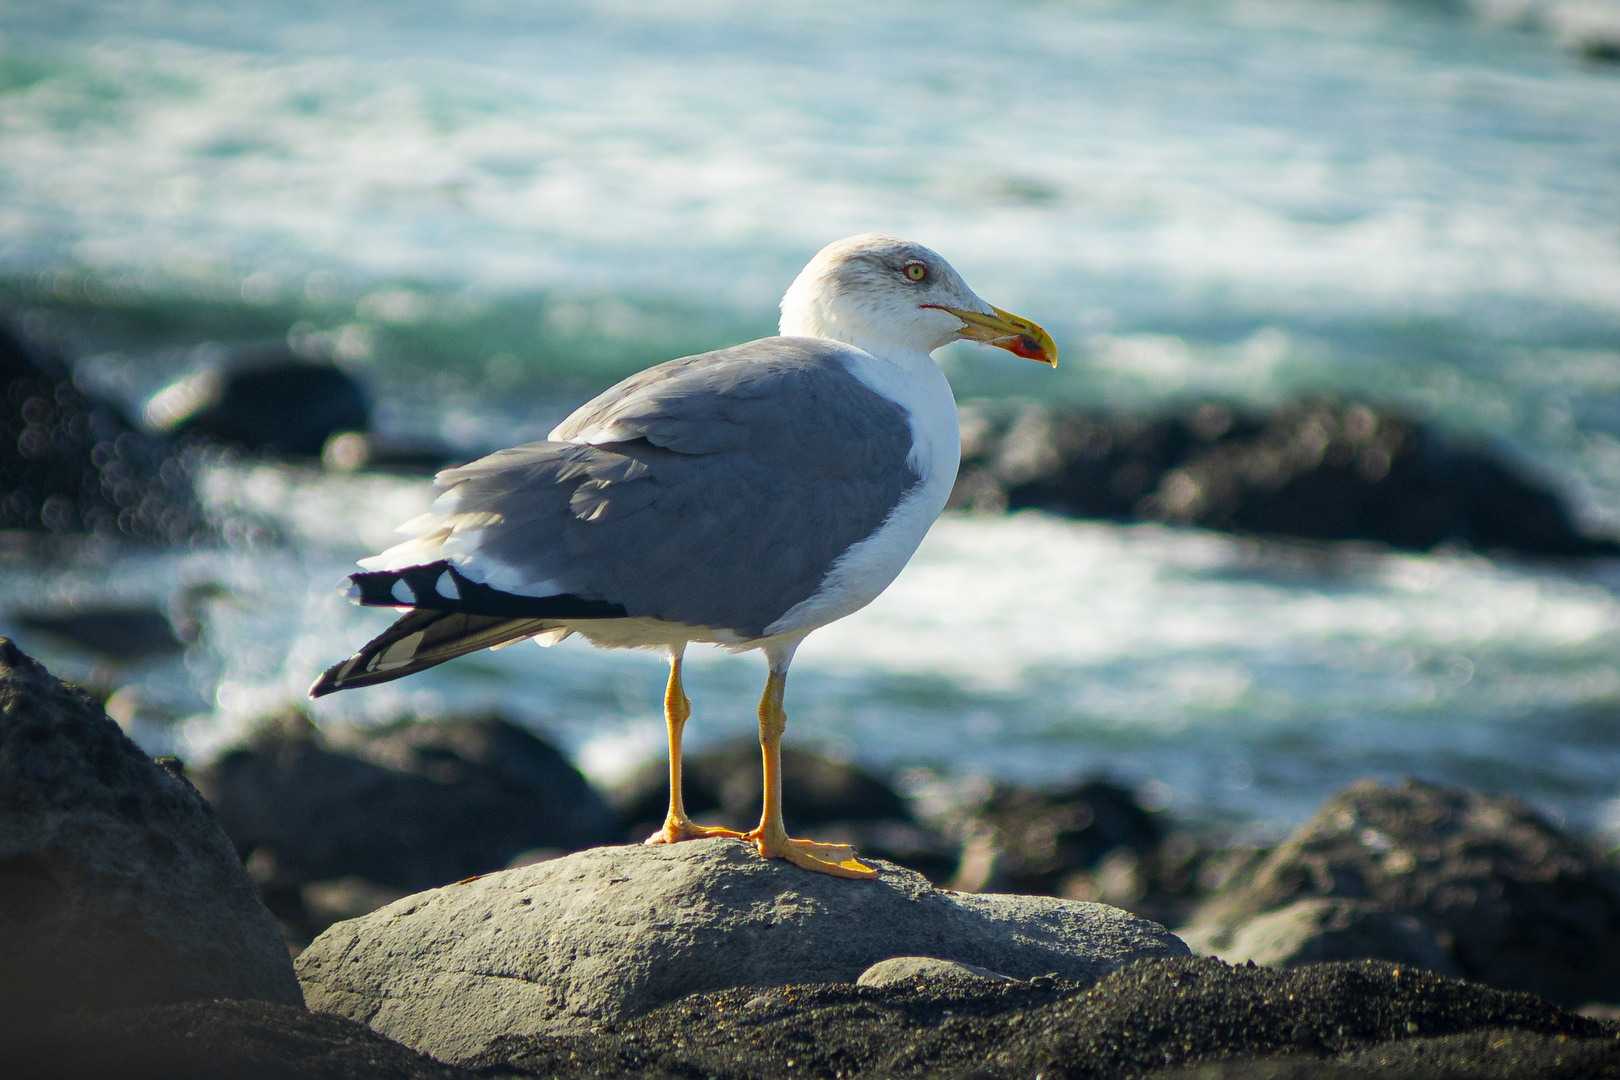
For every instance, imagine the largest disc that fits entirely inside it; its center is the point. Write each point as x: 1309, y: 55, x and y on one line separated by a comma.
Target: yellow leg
x: 677, y: 709
x: 771, y: 837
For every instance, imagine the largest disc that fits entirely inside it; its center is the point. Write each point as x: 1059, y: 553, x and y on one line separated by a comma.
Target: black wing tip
x: 332, y: 679
x: 438, y: 586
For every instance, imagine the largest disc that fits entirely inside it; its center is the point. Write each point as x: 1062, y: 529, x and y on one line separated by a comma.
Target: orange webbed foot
x: 676, y: 830
x: 836, y: 860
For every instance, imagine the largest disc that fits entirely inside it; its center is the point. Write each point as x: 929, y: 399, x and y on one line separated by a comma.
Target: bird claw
x: 837, y: 860
x: 676, y: 830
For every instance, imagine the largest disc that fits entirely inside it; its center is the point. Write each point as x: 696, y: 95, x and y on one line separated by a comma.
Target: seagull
x: 742, y: 497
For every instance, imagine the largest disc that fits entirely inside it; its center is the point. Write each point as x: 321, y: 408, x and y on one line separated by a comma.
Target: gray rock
x: 392, y: 811
x: 1514, y: 902
x: 900, y: 968
x: 408, y: 807
x: 117, y: 887
x: 1320, y: 930
x: 573, y: 943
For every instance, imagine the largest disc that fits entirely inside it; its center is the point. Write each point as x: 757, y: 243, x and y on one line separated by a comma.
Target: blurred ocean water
x: 492, y: 210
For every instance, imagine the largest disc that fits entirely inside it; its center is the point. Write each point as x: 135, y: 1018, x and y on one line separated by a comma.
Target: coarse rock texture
x: 70, y: 465
x: 1512, y: 901
x: 1180, y: 1019
x: 334, y: 828
x: 1317, y: 469
x: 1313, y: 931
x: 900, y: 968
x: 1152, y: 1016
x: 609, y: 933
x: 837, y: 801
x: 1476, y: 1055
x: 117, y: 886
x: 216, y: 1040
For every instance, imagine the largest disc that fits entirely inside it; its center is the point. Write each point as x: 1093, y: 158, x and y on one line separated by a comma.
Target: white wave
x: 1295, y: 157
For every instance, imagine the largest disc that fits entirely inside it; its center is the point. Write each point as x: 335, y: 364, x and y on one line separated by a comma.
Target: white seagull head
x: 891, y: 296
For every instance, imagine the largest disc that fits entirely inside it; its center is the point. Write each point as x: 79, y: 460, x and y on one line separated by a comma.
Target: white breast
x: 914, y: 382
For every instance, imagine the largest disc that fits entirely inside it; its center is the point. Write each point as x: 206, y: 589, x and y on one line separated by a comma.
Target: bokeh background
x: 489, y: 211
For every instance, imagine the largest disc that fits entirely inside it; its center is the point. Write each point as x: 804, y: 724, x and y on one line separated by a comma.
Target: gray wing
x: 720, y: 490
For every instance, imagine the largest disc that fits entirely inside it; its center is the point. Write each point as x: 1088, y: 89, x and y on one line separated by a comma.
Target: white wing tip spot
x: 402, y: 592
x: 446, y: 587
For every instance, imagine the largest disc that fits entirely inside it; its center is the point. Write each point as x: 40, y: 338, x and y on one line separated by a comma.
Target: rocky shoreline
x: 1316, y: 469
x: 701, y: 960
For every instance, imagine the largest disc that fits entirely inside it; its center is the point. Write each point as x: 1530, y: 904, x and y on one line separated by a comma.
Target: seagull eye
x: 916, y: 271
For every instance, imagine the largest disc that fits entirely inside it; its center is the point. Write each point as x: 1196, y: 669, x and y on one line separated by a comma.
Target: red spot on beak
x: 1028, y: 348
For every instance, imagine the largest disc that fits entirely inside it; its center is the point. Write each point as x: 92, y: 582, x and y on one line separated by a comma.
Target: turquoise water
x: 491, y: 210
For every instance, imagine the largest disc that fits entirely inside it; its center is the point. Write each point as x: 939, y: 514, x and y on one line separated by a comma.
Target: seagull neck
x: 912, y: 360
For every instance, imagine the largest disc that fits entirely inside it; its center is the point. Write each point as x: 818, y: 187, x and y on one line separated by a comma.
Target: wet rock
x: 210, y: 1040
x: 1319, y: 470
x: 327, y: 902
x: 117, y: 886
x: 397, y: 810
x: 1020, y: 840
x: 263, y: 398
x: 605, y: 934
x: 1597, y: 49
x: 130, y: 632
x: 1194, y: 1014
x: 1315, y: 931
x: 724, y: 788
x: 833, y: 801
x: 69, y: 465
x: 353, y: 451
x: 928, y: 968
x: 1510, y: 900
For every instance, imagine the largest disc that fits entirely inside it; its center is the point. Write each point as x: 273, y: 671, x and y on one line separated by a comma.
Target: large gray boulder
x: 568, y: 945
x: 117, y: 887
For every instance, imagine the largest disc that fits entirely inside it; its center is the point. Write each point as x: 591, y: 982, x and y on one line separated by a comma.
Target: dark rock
x: 1170, y: 1020
x: 1512, y: 901
x: 834, y: 801
x: 264, y: 398
x: 838, y: 802
x: 122, y: 633
x: 1317, y: 470
x: 352, y: 451
x: 212, y: 1040
x: 327, y: 902
x: 1318, y: 930
x: 1154, y: 1015
x: 1476, y: 1055
x: 724, y: 788
x: 1599, y: 50
x: 612, y: 932
x: 402, y: 809
x: 911, y: 845
x: 117, y: 886
x: 70, y: 465
x: 127, y: 633
x: 1027, y: 841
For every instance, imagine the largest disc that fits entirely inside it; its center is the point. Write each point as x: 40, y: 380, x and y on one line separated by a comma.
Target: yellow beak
x: 1007, y: 331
